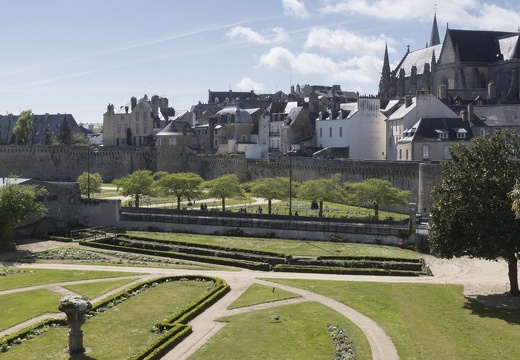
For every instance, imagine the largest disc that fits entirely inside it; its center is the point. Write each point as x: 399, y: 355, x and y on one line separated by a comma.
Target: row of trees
x: 25, y: 130
x: 371, y: 192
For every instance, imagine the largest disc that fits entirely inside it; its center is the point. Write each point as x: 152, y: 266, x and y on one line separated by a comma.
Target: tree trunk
x: 376, y: 212
x: 178, y: 202
x: 512, y: 263
x: 269, y: 206
x: 137, y: 200
x: 223, y: 204
x: 320, y: 214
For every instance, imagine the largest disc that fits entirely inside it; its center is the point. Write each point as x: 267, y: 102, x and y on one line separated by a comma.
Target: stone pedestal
x: 75, y: 308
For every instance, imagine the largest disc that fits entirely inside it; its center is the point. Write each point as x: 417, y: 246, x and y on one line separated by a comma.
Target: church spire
x: 386, y: 62
x: 434, y: 39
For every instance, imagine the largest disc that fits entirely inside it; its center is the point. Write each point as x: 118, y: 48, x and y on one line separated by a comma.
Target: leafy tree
x: 47, y: 140
x: 95, y: 183
x: 376, y: 192
x: 17, y: 204
x: 321, y: 190
x: 224, y: 187
x: 137, y: 184
x: 65, y: 132
x: 471, y: 210
x: 270, y: 189
x: 24, y: 126
x: 180, y: 185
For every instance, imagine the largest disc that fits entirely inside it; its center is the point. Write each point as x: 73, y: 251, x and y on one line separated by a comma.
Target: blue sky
x: 76, y: 57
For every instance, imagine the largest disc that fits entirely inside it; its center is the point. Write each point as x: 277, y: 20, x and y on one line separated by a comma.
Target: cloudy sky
x: 76, y: 57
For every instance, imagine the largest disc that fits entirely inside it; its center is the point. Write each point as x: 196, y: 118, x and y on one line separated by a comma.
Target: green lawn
x: 47, y: 276
x: 288, y: 247
x: 93, y: 290
x: 18, y: 307
x: 120, y: 331
x: 429, y: 321
x: 301, y: 333
x: 259, y: 294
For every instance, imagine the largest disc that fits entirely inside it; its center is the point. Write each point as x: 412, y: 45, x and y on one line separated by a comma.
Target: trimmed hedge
x: 342, y: 271
x: 170, y: 254
x: 372, y: 258
x: 360, y: 264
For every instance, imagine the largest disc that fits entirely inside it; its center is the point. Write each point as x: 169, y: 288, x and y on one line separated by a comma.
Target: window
x: 330, y: 132
x: 145, y: 127
x: 140, y: 105
x: 340, y: 131
x: 145, y: 116
x: 400, y: 154
x: 119, y: 128
x: 159, y: 142
x: 244, y: 138
x: 406, y: 154
x: 172, y: 141
x: 461, y: 133
x: 321, y: 132
x: 426, y: 152
x: 137, y: 128
x: 136, y: 116
x: 443, y: 134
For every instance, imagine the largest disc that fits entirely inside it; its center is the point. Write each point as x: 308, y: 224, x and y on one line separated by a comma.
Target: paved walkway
x: 477, y: 276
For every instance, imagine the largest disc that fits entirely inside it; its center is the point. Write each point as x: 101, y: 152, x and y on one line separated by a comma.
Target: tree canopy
x: 65, y: 132
x: 224, y: 187
x: 180, y: 185
x: 376, y: 192
x: 17, y: 204
x: 270, y: 189
x: 471, y: 212
x: 24, y: 126
x: 320, y: 190
x: 137, y: 184
x: 94, y: 186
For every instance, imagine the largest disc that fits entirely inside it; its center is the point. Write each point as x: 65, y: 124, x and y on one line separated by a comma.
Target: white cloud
x: 247, y: 84
x: 295, y: 8
x: 277, y: 35
x: 304, y: 63
x: 343, y: 41
x: 246, y: 33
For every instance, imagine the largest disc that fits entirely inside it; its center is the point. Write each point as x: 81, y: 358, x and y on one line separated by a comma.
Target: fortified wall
x: 66, y: 163
x: 60, y: 163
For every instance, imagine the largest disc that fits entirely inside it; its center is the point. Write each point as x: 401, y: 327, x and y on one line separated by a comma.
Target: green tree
x: 270, y: 189
x: 47, y: 140
x: 65, y: 132
x: 137, y: 184
x: 321, y: 190
x: 180, y: 185
x: 18, y: 203
x: 95, y: 183
x: 224, y: 187
x: 471, y: 210
x: 24, y: 126
x: 376, y: 192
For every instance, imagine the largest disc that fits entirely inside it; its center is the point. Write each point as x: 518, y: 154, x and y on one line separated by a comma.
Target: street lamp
x: 289, y: 154
x: 88, y: 168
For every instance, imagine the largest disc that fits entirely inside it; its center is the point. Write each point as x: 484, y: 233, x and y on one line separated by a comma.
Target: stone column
x: 75, y: 308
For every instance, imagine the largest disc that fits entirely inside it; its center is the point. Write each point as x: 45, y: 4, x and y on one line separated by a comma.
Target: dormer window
x: 443, y: 133
x: 461, y: 133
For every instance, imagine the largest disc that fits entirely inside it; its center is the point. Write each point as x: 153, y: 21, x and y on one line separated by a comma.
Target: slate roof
x: 477, y: 45
x: 418, y: 58
x: 428, y: 129
x: 177, y: 127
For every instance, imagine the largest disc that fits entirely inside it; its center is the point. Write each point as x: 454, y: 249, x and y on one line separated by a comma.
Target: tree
x: 136, y: 184
x: 224, y: 187
x: 24, y: 126
x: 376, y: 192
x: 270, y: 189
x: 180, y: 185
x: 471, y: 210
x: 17, y: 204
x: 65, y: 132
x: 321, y: 190
x: 95, y: 183
x: 47, y: 140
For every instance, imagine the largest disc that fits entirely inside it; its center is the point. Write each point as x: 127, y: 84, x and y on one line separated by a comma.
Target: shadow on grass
x: 499, y: 306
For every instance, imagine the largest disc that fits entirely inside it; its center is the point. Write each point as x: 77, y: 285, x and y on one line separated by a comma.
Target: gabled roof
x: 177, y: 127
x: 428, y: 129
x: 418, y: 58
x: 477, y: 45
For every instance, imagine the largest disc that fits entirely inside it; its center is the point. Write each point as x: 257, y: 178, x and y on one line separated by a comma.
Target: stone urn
x: 75, y: 308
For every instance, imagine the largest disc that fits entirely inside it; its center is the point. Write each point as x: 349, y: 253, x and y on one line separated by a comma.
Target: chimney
x: 492, y: 93
x: 441, y: 91
x: 471, y: 112
x: 408, y: 100
x: 133, y: 102
x: 463, y: 115
x: 126, y: 109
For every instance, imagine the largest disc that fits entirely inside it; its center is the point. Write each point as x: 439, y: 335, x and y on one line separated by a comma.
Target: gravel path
x: 482, y: 280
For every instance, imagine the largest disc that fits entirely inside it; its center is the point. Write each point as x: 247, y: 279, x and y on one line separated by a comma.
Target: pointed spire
x: 434, y: 39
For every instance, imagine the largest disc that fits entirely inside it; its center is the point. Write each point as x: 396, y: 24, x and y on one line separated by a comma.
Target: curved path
x: 479, y: 277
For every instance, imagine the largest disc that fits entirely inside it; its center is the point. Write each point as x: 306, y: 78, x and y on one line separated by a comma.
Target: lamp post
x: 88, y: 168
x: 289, y: 154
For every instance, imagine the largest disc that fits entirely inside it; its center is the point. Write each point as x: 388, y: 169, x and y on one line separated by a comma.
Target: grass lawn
x: 259, y: 294
x: 34, y: 277
x: 120, y: 331
x: 288, y: 247
x: 19, y: 307
x: 93, y: 290
x: 429, y: 321
x: 301, y: 333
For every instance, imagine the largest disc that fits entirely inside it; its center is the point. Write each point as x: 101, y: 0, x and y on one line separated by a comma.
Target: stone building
x: 174, y: 143
x: 137, y: 122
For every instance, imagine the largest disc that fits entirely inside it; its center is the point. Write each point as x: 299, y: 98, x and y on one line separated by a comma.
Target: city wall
x: 57, y: 163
